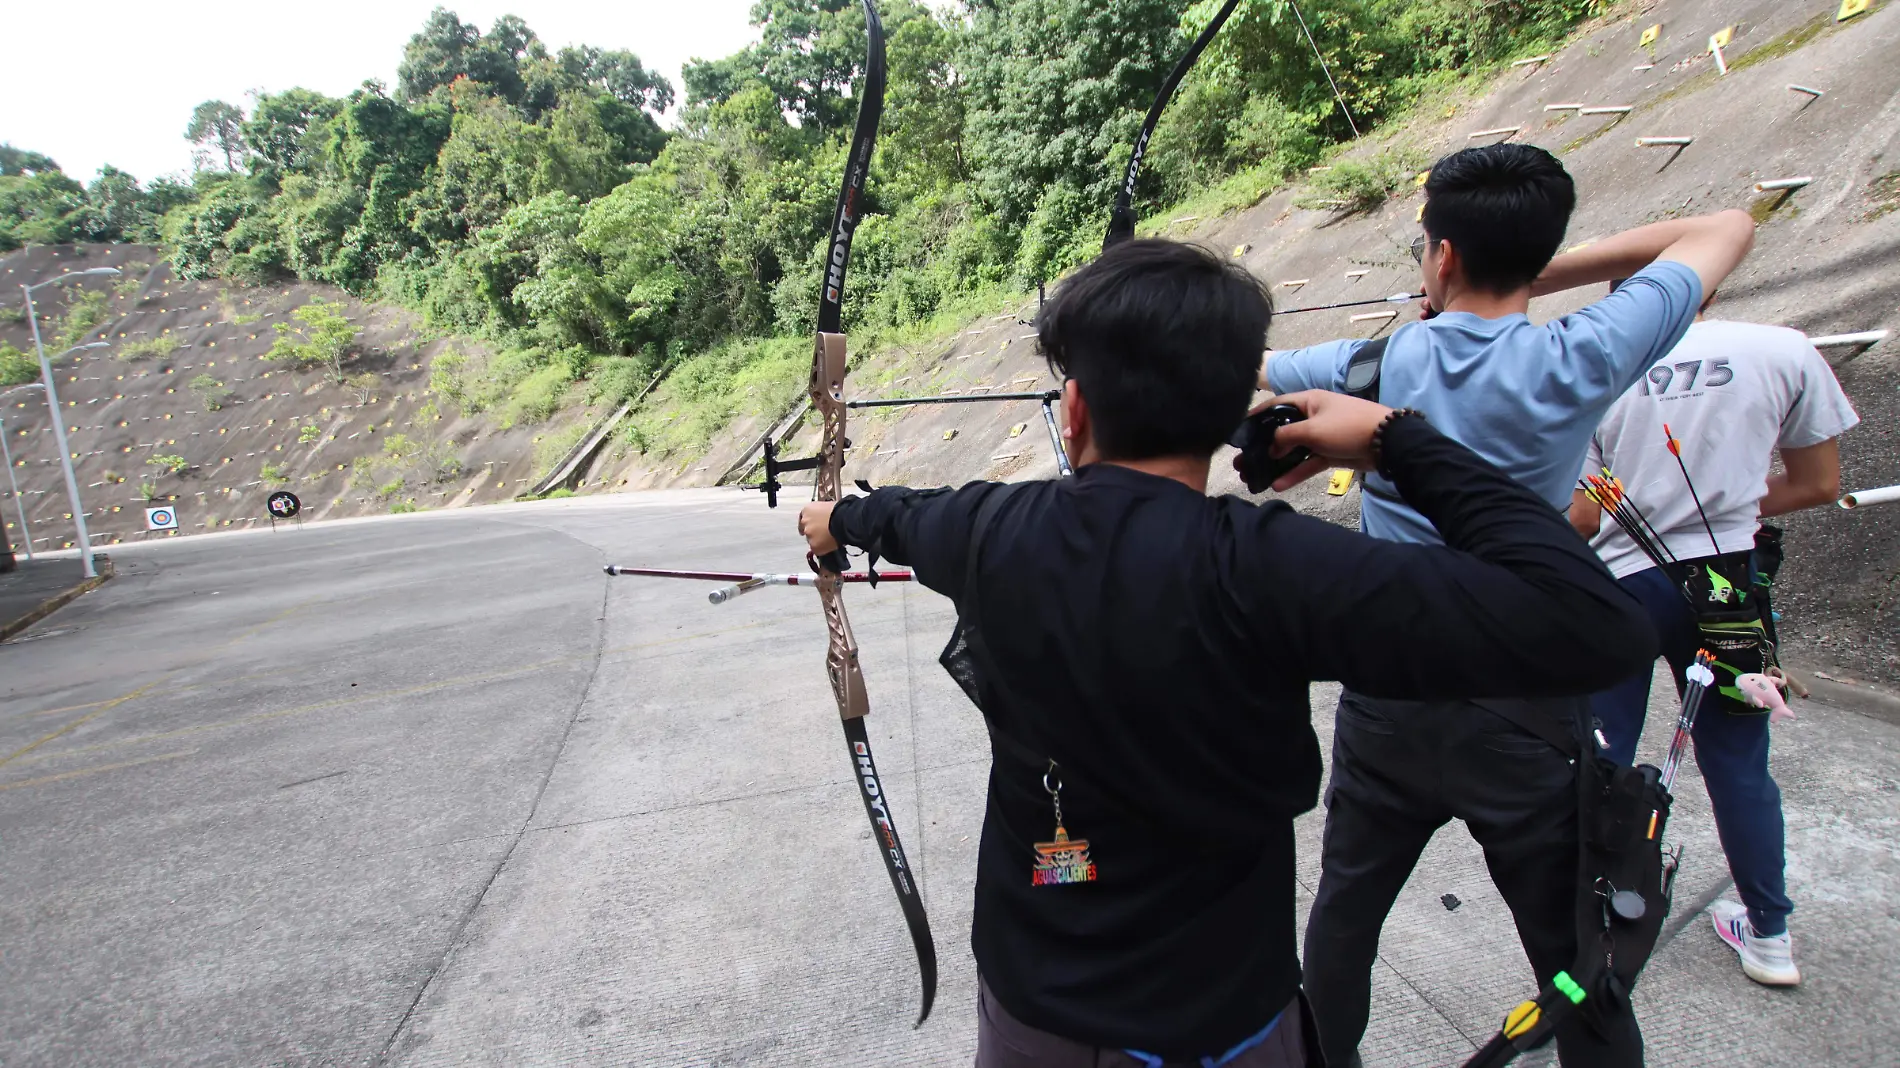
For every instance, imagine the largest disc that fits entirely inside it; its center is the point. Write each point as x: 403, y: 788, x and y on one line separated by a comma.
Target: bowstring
x: 916, y: 766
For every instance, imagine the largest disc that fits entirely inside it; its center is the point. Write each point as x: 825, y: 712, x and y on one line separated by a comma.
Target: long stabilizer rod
x: 1396, y: 298
x: 895, y: 402
x: 745, y: 582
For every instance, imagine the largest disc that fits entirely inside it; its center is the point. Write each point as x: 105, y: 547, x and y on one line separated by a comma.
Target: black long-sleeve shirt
x: 1157, y: 644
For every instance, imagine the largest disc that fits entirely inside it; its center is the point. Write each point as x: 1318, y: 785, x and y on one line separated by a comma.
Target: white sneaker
x: 1769, y: 961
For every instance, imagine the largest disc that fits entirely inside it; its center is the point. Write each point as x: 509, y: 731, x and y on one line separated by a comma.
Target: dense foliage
x: 40, y: 205
x: 532, y: 198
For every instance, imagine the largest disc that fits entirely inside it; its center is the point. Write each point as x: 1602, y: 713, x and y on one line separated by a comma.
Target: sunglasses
x: 1419, y: 244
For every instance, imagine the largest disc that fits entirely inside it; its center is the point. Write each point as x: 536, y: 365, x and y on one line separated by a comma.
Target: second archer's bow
x: 1121, y: 218
x: 827, y: 399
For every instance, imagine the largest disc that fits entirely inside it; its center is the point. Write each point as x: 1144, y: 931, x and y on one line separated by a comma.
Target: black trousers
x: 1403, y: 769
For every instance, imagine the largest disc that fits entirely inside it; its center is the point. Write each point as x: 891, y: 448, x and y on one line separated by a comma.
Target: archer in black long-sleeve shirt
x: 1157, y: 645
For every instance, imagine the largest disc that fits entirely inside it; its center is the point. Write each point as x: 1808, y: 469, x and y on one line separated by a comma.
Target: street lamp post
x: 52, y: 406
x: 26, y: 532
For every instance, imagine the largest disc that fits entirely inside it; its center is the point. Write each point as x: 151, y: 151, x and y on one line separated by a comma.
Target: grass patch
x: 1763, y: 207
x: 550, y: 449
x: 16, y: 367
x: 1235, y: 193
x: 1884, y: 195
x: 537, y: 397
x: 159, y: 347
x: 1786, y: 43
x: 132, y: 278
x: 85, y: 310
x: 405, y: 461
x: 1356, y: 184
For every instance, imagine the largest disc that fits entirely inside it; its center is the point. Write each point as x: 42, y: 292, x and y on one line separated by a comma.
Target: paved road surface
x: 433, y: 790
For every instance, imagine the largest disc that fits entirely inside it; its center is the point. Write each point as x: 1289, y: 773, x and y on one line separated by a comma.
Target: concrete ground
x: 431, y: 790
x: 32, y: 583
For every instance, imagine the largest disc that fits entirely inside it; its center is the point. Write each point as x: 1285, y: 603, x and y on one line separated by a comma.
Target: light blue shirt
x: 1525, y: 397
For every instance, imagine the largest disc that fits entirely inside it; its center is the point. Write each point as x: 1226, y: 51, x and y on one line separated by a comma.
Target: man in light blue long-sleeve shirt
x: 1526, y: 397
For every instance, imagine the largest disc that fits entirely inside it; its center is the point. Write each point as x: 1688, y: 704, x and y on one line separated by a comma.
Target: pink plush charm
x: 1764, y: 691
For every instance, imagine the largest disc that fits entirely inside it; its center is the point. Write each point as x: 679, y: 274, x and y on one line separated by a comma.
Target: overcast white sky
x: 110, y: 81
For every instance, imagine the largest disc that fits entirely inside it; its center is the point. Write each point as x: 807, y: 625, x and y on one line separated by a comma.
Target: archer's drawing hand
x: 1338, y: 429
x: 814, y: 522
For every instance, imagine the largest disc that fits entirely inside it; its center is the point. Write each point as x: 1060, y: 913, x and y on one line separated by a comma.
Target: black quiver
x: 1730, y: 601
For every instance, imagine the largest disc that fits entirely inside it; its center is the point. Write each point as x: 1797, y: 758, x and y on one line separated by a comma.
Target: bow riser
x: 827, y: 399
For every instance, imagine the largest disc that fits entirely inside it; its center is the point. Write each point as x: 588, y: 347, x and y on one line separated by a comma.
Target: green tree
x: 217, y: 127
x: 1057, y: 90
x: 18, y: 162
x: 435, y: 56
x: 495, y: 161
x: 227, y: 231
x: 321, y: 338
x: 924, y: 108
x: 448, y: 49
x: 38, y: 208
x: 115, y: 209
x: 209, y: 391
x: 283, y: 127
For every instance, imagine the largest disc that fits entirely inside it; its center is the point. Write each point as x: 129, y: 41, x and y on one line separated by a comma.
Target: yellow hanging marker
x: 1850, y: 8
x: 1650, y: 35
x: 1720, y: 38
x: 1422, y: 177
x: 1341, y: 482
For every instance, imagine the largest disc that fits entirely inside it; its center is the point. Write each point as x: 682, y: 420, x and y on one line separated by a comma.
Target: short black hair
x: 1504, y: 208
x: 1165, y: 340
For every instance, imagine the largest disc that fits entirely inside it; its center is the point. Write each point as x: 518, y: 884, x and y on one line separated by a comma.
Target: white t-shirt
x: 1732, y: 393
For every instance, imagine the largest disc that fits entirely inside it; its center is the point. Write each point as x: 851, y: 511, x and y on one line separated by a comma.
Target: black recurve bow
x: 827, y: 399
x: 1121, y: 219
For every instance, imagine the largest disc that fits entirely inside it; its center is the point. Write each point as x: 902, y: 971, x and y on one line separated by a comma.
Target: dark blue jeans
x: 1731, y: 748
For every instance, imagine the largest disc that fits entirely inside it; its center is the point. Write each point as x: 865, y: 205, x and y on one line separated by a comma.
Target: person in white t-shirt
x: 1733, y: 395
